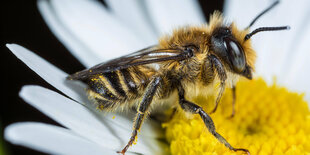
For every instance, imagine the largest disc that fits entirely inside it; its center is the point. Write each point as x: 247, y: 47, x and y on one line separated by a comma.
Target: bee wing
x: 145, y: 56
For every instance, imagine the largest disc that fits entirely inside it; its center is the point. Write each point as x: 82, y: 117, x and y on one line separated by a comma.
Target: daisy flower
x: 88, y: 29
x: 270, y: 119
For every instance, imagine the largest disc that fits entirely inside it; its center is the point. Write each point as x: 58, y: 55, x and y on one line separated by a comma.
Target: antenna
x: 262, y: 13
x: 261, y: 29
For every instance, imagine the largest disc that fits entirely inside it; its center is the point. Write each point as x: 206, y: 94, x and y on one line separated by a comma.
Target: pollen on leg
x: 136, y: 140
x: 100, y: 107
x: 268, y: 120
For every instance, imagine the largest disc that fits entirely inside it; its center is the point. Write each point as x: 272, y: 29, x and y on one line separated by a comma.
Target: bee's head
x: 233, y: 46
x: 232, y: 52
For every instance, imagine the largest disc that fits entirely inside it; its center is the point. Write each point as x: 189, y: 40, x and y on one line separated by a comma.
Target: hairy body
x: 187, y: 62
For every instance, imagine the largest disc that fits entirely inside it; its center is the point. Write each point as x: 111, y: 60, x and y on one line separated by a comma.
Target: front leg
x: 233, y: 90
x: 195, y: 109
x: 221, y: 73
x: 141, y: 111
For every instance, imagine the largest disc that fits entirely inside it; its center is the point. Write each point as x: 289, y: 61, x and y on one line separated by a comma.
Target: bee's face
x: 229, y: 50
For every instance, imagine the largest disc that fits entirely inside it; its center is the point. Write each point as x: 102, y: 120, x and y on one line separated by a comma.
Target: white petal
x: 50, y: 73
x: 167, y: 15
x: 242, y: 11
x: 98, y: 29
x: 297, y: 73
x: 52, y: 139
x: 134, y: 15
x: 287, y: 47
x: 84, y: 122
x: 79, y: 49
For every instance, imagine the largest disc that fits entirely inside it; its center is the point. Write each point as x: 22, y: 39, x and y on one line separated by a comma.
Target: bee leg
x: 233, y: 90
x: 219, y: 68
x: 195, y: 109
x: 142, y: 111
x: 219, y: 96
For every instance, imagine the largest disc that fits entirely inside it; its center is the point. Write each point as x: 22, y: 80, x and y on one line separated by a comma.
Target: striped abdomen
x: 118, y: 87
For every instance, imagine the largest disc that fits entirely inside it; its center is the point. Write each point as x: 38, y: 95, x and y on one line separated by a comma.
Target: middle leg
x: 195, y: 109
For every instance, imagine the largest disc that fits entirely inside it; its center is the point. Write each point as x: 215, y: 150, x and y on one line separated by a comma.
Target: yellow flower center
x: 268, y: 120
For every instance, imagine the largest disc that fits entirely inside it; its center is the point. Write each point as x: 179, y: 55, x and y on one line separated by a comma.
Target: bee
x: 192, y: 57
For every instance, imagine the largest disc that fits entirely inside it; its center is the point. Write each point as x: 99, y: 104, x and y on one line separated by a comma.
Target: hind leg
x: 142, y: 111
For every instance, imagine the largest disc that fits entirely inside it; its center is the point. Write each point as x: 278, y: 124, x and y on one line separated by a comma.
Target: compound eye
x: 235, y: 54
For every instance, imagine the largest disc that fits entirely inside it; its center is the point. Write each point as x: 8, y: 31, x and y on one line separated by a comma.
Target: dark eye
x: 235, y: 54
